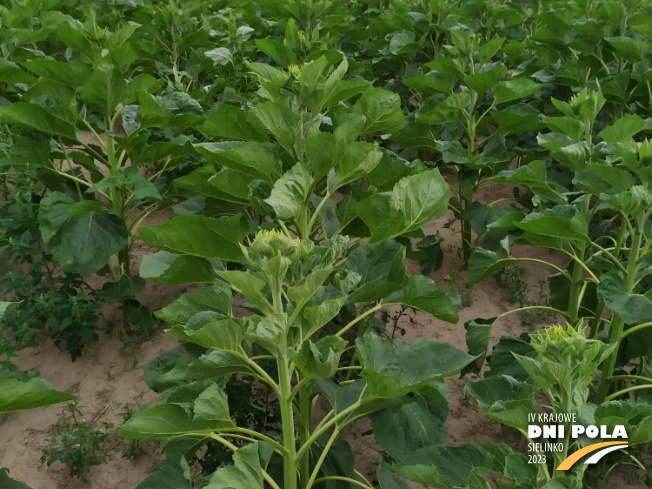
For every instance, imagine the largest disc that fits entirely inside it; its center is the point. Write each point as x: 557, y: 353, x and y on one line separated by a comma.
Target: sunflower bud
x: 645, y: 152
x: 269, y: 244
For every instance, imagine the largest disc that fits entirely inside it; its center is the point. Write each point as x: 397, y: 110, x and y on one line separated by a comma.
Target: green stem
x: 631, y: 377
x: 543, y: 262
x: 575, y: 299
x: 625, y: 391
x: 99, y: 140
x: 265, y: 438
x: 618, y: 324
x: 595, y: 322
x: 287, y: 420
x: 315, y: 215
x: 467, y: 236
x: 527, y: 308
x: 614, y: 260
x: 343, y: 479
x: 305, y: 422
x: 133, y: 227
x: 635, y: 329
x: 322, y: 457
x: 368, y: 312
x: 323, y: 428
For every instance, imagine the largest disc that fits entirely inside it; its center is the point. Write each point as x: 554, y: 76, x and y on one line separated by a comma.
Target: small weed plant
x: 136, y: 448
x: 519, y: 292
x: 77, y: 443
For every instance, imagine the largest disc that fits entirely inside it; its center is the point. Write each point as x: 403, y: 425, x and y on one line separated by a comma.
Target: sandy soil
x: 110, y: 375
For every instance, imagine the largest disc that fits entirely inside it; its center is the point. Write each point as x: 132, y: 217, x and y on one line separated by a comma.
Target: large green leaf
x: 513, y: 465
x: 359, y: 160
x: 436, y: 111
x: 171, y: 269
x: 534, y: 176
x: 258, y: 160
x: 338, y: 462
x: 382, y: 111
x: 518, y: 119
x: 502, y: 361
x: 446, y: 467
x: 231, y: 123
x: 216, y: 297
x: 635, y: 416
x: 391, y: 169
x: 11, y: 73
x: 633, y: 308
x: 291, y: 192
x: 141, y: 152
x: 17, y: 394
x: 7, y: 482
x: 304, y: 290
x: 171, y: 473
x: 245, y: 473
x: 400, y: 430
x: 278, y: 120
x: 69, y: 74
x: 186, y: 368
x: 248, y: 285
x: 389, y: 368
x: 277, y: 51
x: 319, y: 360
x: 504, y: 399
x: 415, y: 200
x: 326, y: 150
x: 267, y: 73
x: 167, y: 420
x: 482, y: 82
x: 478, y: 332
x: 562, y: 221
x: 36, y: 117
x: 76, y: 39
x: 484, y: 263
x: 388, y: 479
x: 623, y: 129
x: 344, y: 397
x: 105, y: 88
x: 220, y: 56
x: 81, y: 236
x: 381, y: 268
x: 224, y: 334
x: 181, y: 355
x: 506, y: 91
x: 440, y: 82
x: 322, y: 308
x: 424, y: 294
x: 201, y: 236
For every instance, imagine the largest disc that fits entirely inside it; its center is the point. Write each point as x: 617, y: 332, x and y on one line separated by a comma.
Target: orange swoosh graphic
x: 570, y: 461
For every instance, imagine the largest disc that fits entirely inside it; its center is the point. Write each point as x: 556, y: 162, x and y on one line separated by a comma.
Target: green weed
x: 77, y: 443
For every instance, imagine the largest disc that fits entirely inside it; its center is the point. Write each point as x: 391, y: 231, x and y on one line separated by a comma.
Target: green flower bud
x: 268, y: 244
x: 645, y: 152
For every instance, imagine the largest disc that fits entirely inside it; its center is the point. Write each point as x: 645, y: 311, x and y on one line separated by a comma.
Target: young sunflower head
x: 268, y: 244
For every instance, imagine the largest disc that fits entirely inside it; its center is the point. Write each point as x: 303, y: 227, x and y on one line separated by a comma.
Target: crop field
x: 321, y: 244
